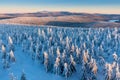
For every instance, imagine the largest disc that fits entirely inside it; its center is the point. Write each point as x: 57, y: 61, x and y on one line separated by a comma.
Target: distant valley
x: 64, y: 19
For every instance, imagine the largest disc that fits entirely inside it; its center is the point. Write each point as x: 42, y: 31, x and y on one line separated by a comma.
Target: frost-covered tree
x: 10, y: 41
x: 32, y: 50
x: 23, y: 77
x: 95, y: 68
x: 4, y: 54
x: 57, y: 66
x: 58, y: 52
x: 115, y: 56
x: 66, y: 70
x: 78, y: 58
x: 72, y: 48
x: 64, y: 57
x: 67, y: 42
x: 109, y: 72
x: 24, y: 45
x: 6, y: 64
x: 43, y: 33
x: 11, y: 56
x: 85, y: 57
x: 46, y: 62
x: 13, y: 77
x: 117, y: 77
x: 39, y: 32
x: 72, y: 65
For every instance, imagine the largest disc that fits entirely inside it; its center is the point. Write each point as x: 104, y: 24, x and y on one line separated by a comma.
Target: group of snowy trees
x: 7, y: 52
x: 13, y: 77
x: 63, y: 51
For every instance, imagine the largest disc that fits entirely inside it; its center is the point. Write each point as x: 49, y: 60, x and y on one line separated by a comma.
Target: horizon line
x: 57, y: 11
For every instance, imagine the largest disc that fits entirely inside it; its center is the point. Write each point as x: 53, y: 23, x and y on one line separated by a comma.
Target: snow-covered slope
x: 53, y: 53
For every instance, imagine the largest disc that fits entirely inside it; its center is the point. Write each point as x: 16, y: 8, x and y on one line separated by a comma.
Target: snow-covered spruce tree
x: 59, y: 62
x: 108, y: 75
x: 11, y: 46
x: 85, y: 57
x: 89, y: 67
x: 84, y: 45
x: 67, y: 42
x: 64, y: 57
x: 15, y: 38
x: 32, y: 50
x: 72, y: 65
x: 117, y: 77
x: 29, y: 43
x: 4, y: 54
x: 43, y: 34
x: 12, y: 77
x: 23, y: 77
x: 101, y: 63
x: 95, y: 68
x: 66, y: 71
x: 58, y: 52
x: 57, y: 66
x: 38, y: 48
x: 47, y: 62
x: 78, y: 58
x: 72, y: 51
x: 72, y: 48
x: 11, y: 56
x: 4, y: 57
x: 24, y: 45
x: 39, y: 32
x: 41, y: 58
x: 115, y: 56
x: 6, y: 64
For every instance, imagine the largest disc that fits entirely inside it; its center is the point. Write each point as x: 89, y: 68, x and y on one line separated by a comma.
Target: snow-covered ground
x: 33, y: 70
x: 58, y: 53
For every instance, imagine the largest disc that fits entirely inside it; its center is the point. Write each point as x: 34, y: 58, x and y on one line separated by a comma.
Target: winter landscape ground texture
x: 59, y: 53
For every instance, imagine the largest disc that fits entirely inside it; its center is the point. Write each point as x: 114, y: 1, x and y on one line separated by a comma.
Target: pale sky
x: 89, y: 6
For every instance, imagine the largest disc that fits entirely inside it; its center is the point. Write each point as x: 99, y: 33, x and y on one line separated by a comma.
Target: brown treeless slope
x: 3, y: 16
x: 59, y: 19
x: 44, y: 20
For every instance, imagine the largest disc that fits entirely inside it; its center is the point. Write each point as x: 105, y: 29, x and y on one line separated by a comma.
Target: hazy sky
x: 91, y: 6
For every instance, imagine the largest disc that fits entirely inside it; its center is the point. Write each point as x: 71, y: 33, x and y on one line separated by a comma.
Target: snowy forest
x: 65, y: 52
